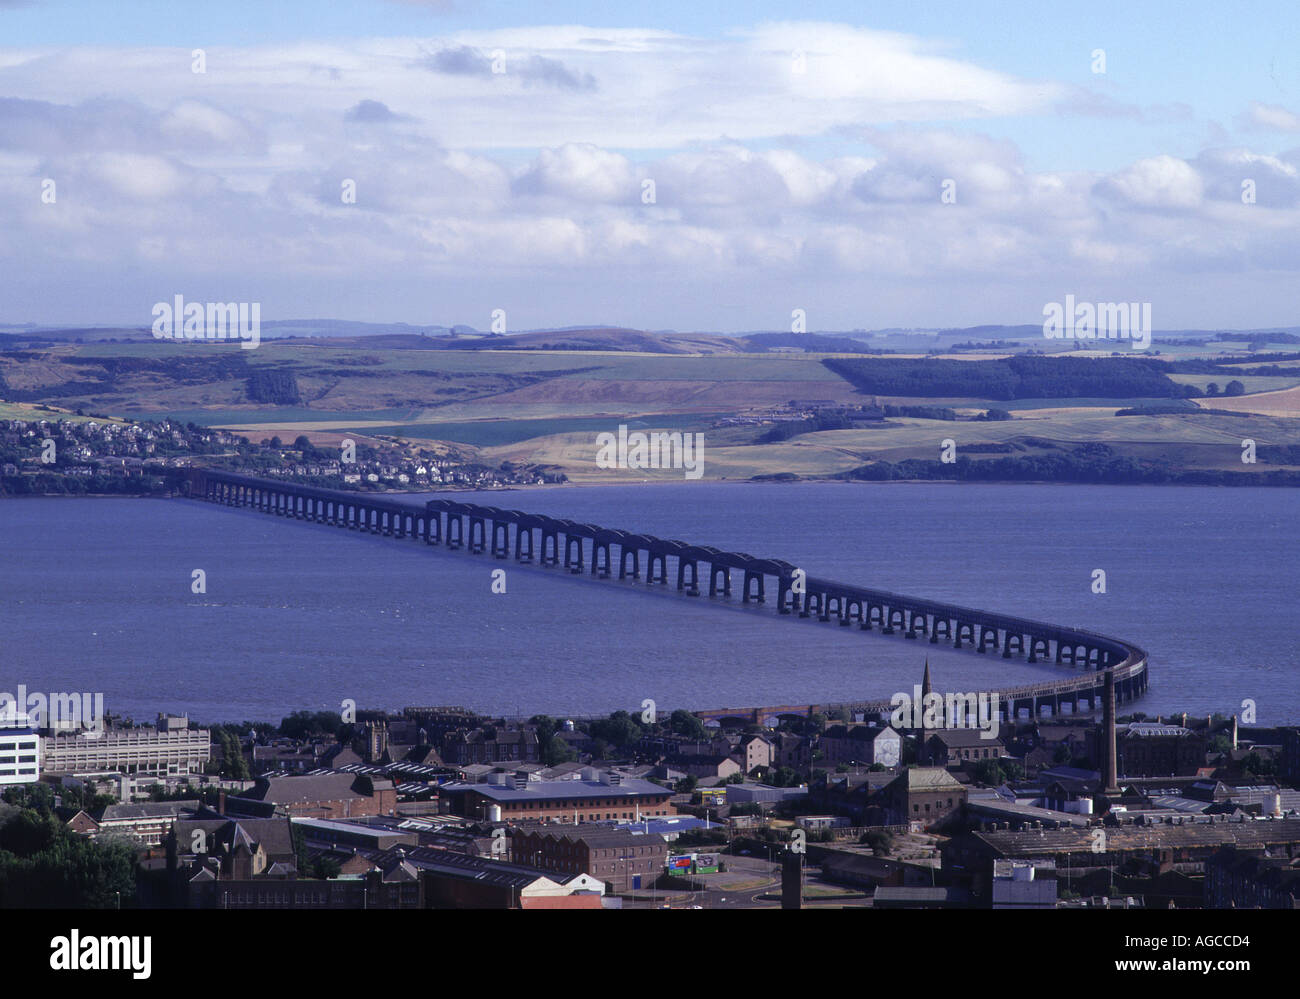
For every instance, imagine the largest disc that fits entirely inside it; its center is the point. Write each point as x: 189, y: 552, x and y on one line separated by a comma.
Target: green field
x: 277, y: 415
x: 491, y: 433
x: 546, y: 407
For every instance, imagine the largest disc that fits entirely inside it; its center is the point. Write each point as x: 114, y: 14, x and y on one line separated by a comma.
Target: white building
x: 20, y: 755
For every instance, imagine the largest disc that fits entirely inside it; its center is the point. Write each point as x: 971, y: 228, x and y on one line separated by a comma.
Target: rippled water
x: 97, y: 596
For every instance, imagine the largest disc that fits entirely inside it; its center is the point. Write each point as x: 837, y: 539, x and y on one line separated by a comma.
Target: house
x: 704, y: 767
x: 956, y: 747
x: 924, y: 795
x: 794, y: 751
x: 862, y: 744
x: 211, y: 851
x: 491, y: 745
x: 147, y: 824
x: 756, y: 751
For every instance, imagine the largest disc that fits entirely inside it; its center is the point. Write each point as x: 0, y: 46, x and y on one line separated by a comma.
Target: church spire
x: 927, y: 688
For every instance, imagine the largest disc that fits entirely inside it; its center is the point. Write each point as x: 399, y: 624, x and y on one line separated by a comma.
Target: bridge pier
x: 693, y: 587
x: 717, y: 572
x: 599, y: 568
x: 550, y: 546
x: 894, y: 613
x: 753, y: 588
x: 477, y: 535
x: 573, y: 562
x: 787, y: 601
x: 523, y: 552
x: 500, y: 539
x: 624, y: 555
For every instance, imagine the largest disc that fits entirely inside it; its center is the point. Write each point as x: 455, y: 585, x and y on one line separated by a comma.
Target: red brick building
x: 615, y: 856
x: 326, y: 796
x: 604, y: 796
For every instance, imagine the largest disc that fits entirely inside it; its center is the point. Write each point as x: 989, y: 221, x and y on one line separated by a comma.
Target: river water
x: 97, y: 595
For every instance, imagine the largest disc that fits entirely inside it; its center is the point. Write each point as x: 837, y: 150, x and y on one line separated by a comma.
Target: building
x: 324, y: 796
x: 457, y: 881
x: 757, y: 751
x: 491, y: 745
x: 763, y: 794
x: 336, y: 833
x: 1235, y: 879
x: 794, y: 751
x: 1289, y: 764
x: 624, y: 860
x: 164, y: 752
x: 704, y: 767
x: 214, y: 861
x: 599, y: 796
x: 862, y: 744
x: 20, y: 756
x: 1151, y: 749
x: 147, y: 824
x: 1146, y: 846
x: 956, y: 747
x: 1022, y: 885
x: 924, y: 795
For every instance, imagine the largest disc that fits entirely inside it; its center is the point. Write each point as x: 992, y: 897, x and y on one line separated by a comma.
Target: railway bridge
x: 608, y: 553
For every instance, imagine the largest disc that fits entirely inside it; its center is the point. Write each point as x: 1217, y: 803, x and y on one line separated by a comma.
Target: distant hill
x: 598, y: 337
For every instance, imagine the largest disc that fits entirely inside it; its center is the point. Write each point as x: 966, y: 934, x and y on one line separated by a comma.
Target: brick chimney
x: 1108, y: 723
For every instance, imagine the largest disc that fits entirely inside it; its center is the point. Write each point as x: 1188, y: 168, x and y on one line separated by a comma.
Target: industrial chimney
x: 1108, y: 723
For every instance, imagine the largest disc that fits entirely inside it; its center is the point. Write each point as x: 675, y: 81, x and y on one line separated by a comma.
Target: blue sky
x: 776, y: 189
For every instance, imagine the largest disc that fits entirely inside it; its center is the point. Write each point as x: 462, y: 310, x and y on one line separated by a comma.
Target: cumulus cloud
x: 1156, y: 182
x: 371, y: 112
x: 787, y: 161
x: 464, y: 60
x: 579, y: 172
x: 1271, y: 117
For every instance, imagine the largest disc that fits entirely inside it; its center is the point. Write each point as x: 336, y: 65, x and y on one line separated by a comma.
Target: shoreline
x: 833, y: 480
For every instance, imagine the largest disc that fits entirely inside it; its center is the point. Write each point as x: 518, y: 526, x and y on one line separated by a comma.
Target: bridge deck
x: 1127, y: 662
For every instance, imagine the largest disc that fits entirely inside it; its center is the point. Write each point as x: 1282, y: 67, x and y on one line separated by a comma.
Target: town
x: 440, y: 807
x: 88, y: 455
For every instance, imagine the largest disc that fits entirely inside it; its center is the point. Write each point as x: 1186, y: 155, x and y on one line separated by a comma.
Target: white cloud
x: 1156, y: 182
x: 1272, y: 117
x: 769, y: 182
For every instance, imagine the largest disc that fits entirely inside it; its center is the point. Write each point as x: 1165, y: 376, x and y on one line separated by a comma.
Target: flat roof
x: 560, y: 790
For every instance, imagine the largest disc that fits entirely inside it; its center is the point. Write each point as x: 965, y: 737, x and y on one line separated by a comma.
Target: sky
x: 672, y: 165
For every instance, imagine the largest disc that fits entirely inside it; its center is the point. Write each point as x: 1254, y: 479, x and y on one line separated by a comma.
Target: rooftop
x: 560, y: 790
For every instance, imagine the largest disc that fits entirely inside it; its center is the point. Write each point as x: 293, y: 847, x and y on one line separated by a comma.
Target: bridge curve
x: 537, y: 538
